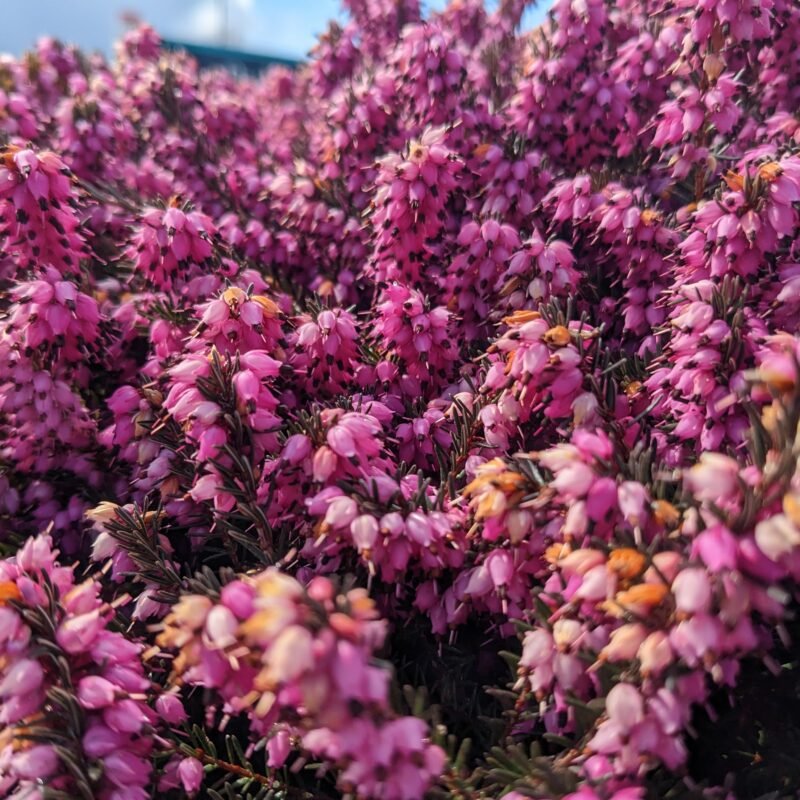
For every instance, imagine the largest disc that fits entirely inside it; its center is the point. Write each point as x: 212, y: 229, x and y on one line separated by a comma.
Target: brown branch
x: 235, y: 769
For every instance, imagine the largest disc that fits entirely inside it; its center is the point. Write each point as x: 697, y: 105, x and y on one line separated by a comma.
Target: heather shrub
x: 420, y: 423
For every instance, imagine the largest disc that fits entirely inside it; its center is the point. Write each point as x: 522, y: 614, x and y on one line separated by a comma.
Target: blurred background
x: 283, y: 28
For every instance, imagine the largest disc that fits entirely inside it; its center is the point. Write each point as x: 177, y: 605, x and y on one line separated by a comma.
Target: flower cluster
x: 73, y: 693
x: 302, y: 660
x: 40, y: 225
x: 170, y: 243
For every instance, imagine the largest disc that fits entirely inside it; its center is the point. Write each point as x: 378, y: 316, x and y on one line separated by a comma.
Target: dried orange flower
x: 639, y: 599
x: 770, y: 171
x: 9, y: 591
x: 666, y: 514
x: 734, y: 180
x: 521, y: 316
x: 627, y: 562
x: 558, y: 336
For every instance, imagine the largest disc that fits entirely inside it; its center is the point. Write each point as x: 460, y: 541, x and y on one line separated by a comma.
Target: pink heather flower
x: 777, y: 536
x: 170, y: 709
x: 692, y: 591
x: 717, y: 548
x: 190, y: 772
x: 279, y: 748
x: 96, y: 692
x: 36, y: 763
x: 714, y: 478
x: 655, y: 653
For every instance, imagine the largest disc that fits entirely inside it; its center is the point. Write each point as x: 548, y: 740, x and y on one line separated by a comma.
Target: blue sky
x: 279, y: 27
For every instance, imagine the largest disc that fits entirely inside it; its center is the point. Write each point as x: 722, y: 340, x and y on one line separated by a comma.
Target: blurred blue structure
x: 237, y: 61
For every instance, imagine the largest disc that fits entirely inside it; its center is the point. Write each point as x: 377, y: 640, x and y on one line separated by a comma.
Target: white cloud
x: 206, y: 22
x: 281, y: 28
